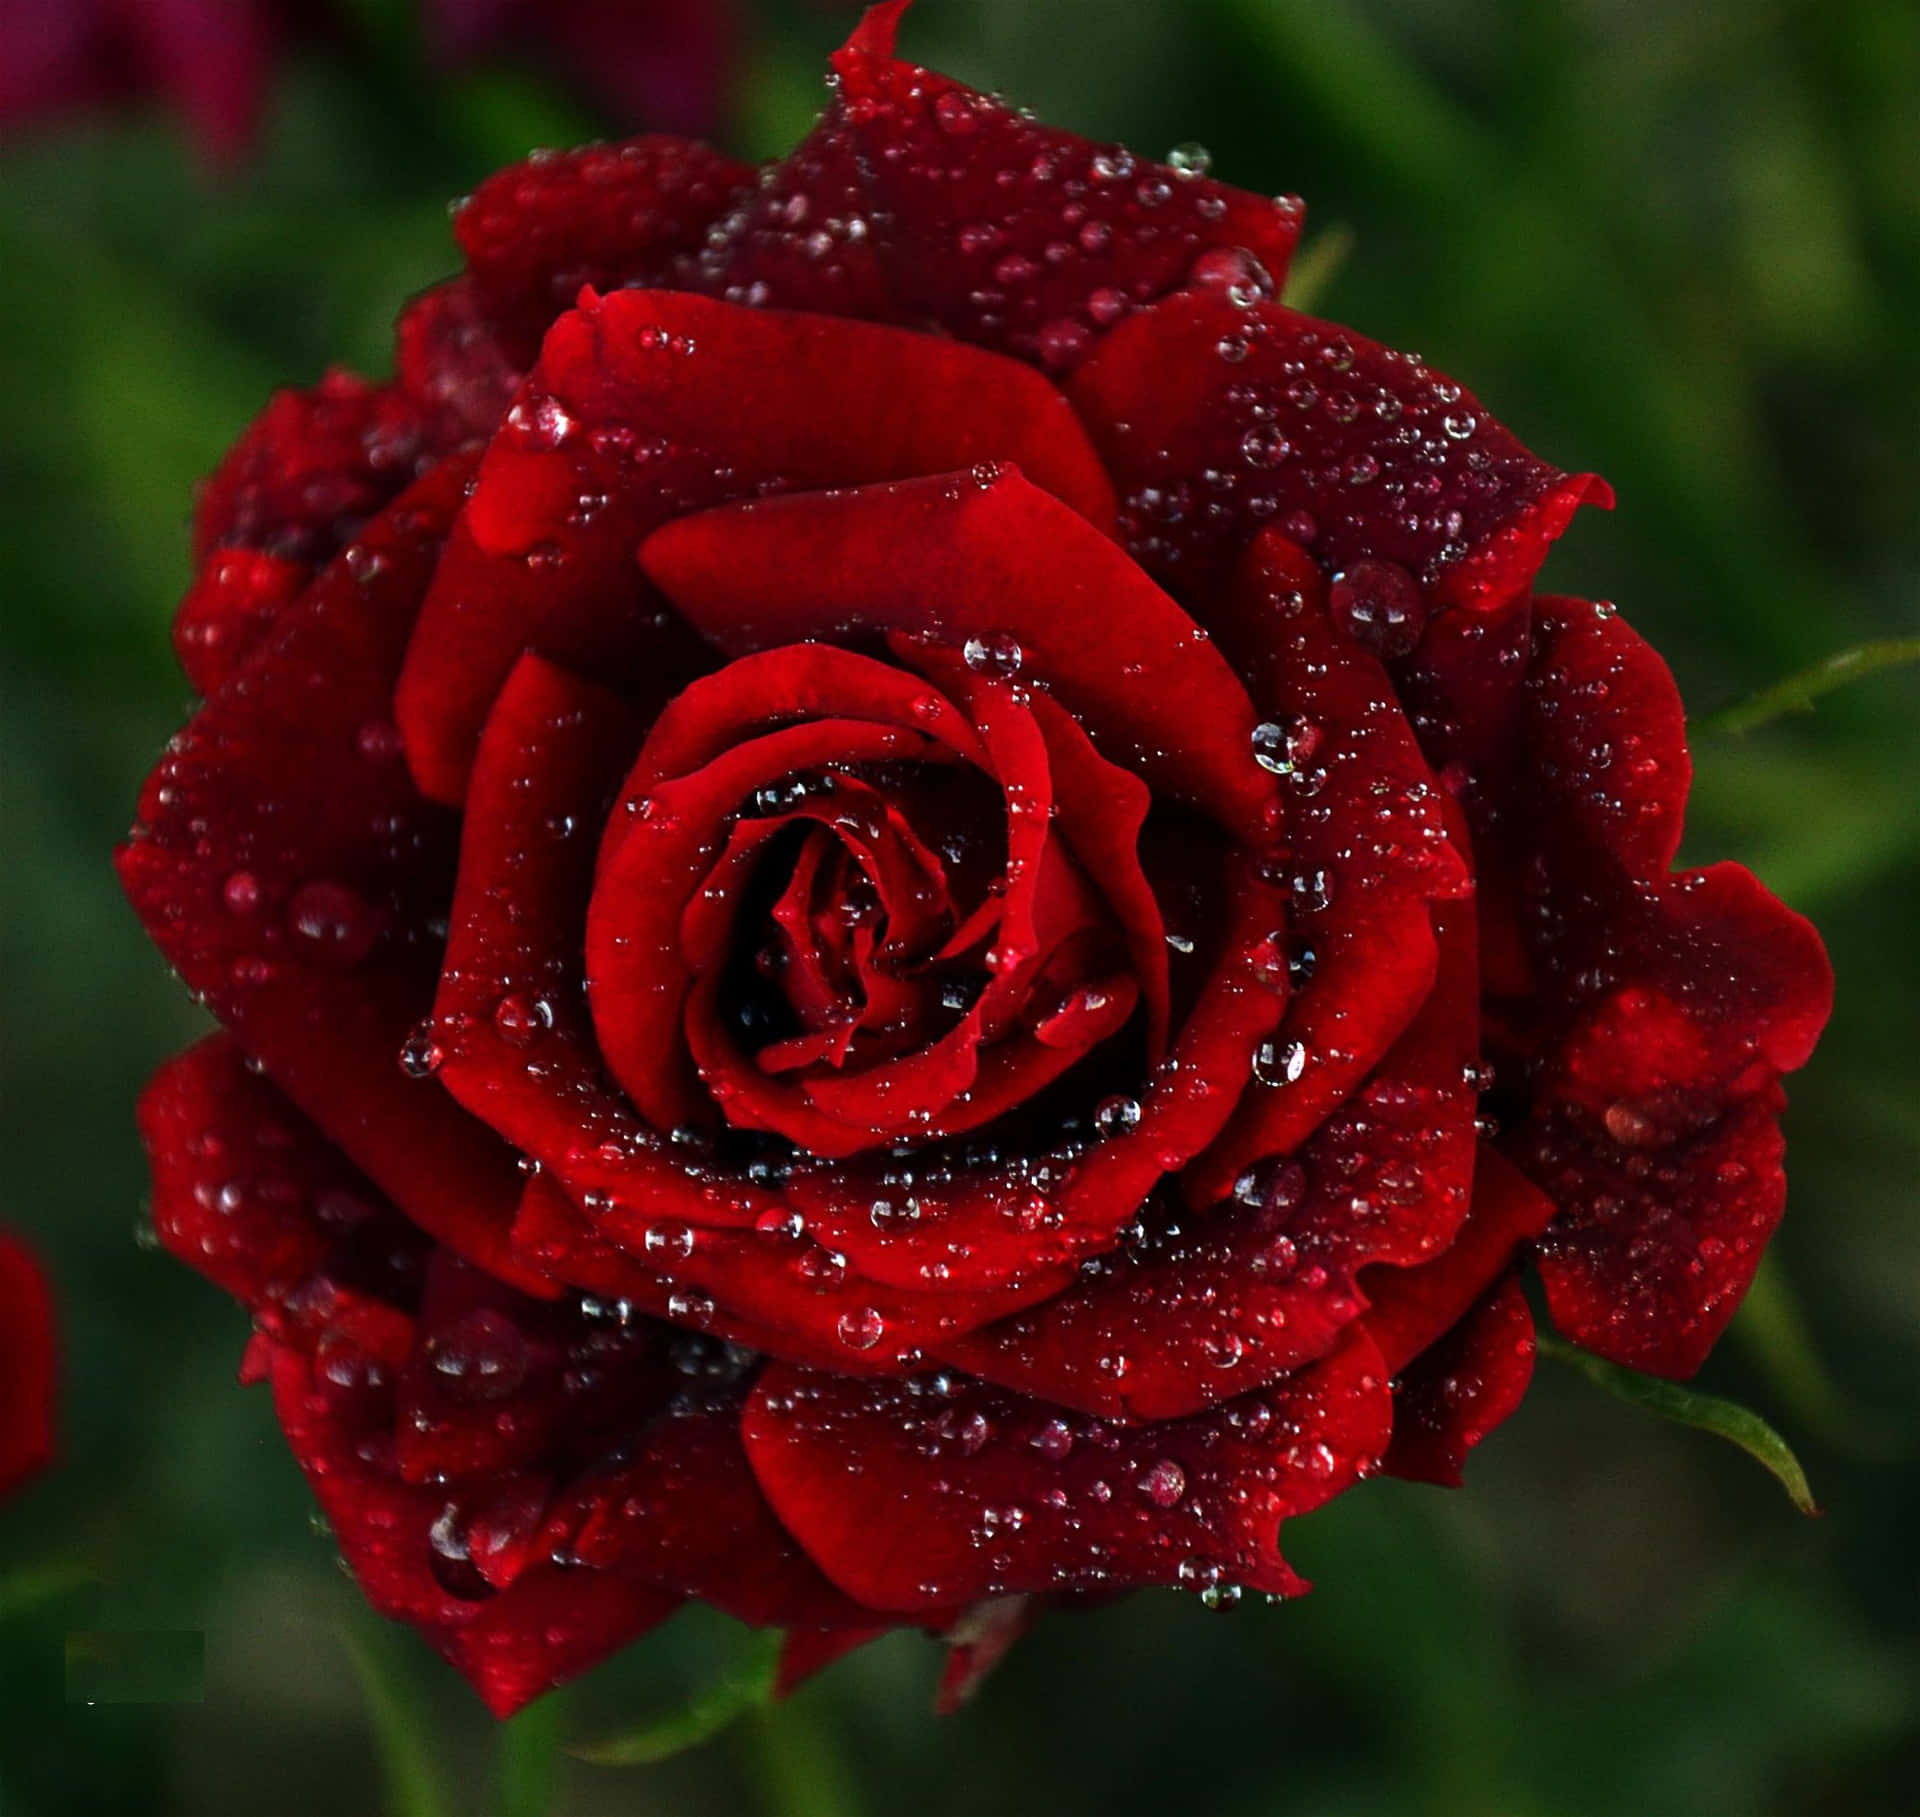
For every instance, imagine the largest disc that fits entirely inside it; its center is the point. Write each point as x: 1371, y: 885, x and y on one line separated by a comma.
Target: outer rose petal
x: 1452, y: 1395
x: 451, y: 360
x: 285, y: 864
x: 229, y: 609
x: 1017, y: 235
x: 605, y: 215
x: 1370, y: 851
x: 1349, y: 447
x: 636, y: 414
x: 995, y: 555
x: 547, y: 1626
x: 902, y: 1492
x: 27, y: 1366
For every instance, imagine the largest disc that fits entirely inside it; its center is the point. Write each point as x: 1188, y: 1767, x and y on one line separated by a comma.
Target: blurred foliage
x: 1674, y: 240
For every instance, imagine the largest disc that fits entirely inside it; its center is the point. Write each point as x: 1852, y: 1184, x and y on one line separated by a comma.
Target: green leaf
x: 1798, y: 692
x: 528, y: 1754
x: 1775, y: 1333
x: 412, y: 1778
x: 1317, y: 265
x: 1688, y: 1407
x: 703, y: 1716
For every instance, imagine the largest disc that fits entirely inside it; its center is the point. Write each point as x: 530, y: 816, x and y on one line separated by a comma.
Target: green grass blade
x: 1798, y: 693
x: 1689, y: 1407
x: 407, y: 1767
x: 698, y: 1720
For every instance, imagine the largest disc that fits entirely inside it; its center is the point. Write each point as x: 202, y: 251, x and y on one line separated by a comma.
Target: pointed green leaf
x: 1689, y: 1407
x: 703, y: 1716
x: 1798, y: 692
x: 528, y: 1754
x: 407, y: 1767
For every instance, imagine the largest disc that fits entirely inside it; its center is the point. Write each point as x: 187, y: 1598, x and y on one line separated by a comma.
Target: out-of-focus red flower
x: 662, y: 63
x: 208, y: 58
x: 27, y: 1365
x: 913, y: 911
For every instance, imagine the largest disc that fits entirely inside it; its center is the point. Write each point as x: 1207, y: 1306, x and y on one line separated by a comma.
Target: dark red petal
x: 1370, y: 852
x: 1020, y: 236
x: 449, y: 358
x: 310, y: 469
x: 687, y: 1514
x: 800, y: 238
x: 1353, y: 449
x: 519, y: 1046
x: 786, y: 1295
x: 914, y: 1494
x: 229, y: 609
x: 286, y: 866
x: 1412, y: 1308
x: 605, y: 215
x: 547, y: 1626
x: 245, y: 1189
x: 637, y: 412
x: 1655, y: 1245
x: 1452, y: 1395
x: 28, y: 1366
x: 1237, y: 1294
x: 994, y: 555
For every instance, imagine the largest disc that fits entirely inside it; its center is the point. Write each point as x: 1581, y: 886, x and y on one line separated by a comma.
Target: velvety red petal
x: 637, y: 413
x: 28, y: 1366
x: 286, y: 866
x: 1452, y: 1395
x: 935, y: 1490
x: 229, y: 609
x: 801, y: 237
x: 549, y: 1625
x: 995, y: 555
x: 311, y: 469
x: 606, y: 215
x: 1656, y: 1243
x: 1368, y: 852
x: 450, y: 359
x: 1215, y: 418
x: 1412, y: 1308
x: 1020, y: 236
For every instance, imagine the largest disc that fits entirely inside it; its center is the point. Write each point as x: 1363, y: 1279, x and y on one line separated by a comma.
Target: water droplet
x: 480, y: 1357
x: 334, y: 922
x: 999, y: 655
x: 241, y: 893
x: 1277, y: 1062
x: 1164, y: 1483
x: 1190, y: 159
x: 1379, y: 605
x: 519, y: 1020
x: 421, y: 1056
x: 861, y: 1330
x: 1116, y: 1116
x: 1232, y: 271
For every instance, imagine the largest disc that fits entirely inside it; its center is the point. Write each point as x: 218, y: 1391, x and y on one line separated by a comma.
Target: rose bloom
x: 913, y: 915
x: 26, y: 1366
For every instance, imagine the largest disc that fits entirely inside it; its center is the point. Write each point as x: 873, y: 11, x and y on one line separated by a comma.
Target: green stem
x: 528, y: 1758
x: 699, y: 1719
x: 1797, y: 693
x: 407, y: 1767
x: 1688, y: 1407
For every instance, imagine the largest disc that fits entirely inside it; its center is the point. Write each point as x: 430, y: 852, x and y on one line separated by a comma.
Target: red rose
x: 879, y: 853
x: 26, y: 1366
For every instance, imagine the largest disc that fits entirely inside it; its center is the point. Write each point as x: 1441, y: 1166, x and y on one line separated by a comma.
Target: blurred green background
x: 1674, y: 240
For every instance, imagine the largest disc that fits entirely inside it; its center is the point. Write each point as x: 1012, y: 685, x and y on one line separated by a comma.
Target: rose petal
x: 963, y: 1491
x: 994, y: 556
x: 1020, y: 236
x: 1360, y: 452
x: 288, y: 869
x: 1453, y: 1394
x: 635, y: 413
x: 228, y: 611
x: 450, y: 359
x: 608, y: 216
x: 28, y: 1387
x: 1369, y: 856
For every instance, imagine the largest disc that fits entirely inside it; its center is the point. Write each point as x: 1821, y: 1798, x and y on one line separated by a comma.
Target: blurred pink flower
x: 654, y: 63
x: 208, y: 58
